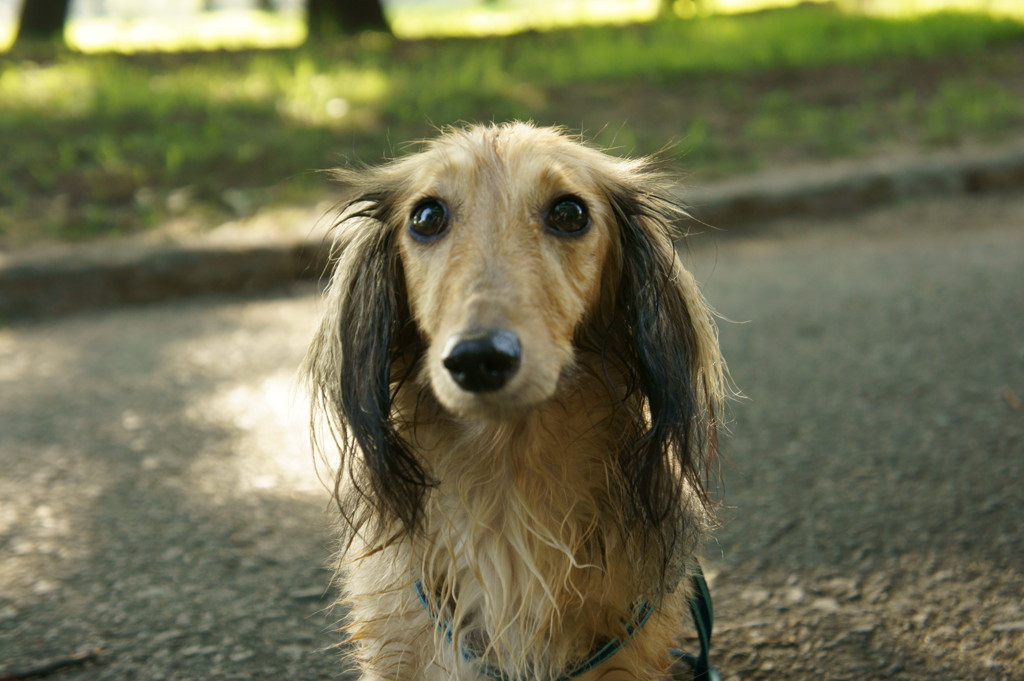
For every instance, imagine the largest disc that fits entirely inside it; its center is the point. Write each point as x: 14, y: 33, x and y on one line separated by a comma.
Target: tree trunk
x: 42, y: 20
x: 345, y: 16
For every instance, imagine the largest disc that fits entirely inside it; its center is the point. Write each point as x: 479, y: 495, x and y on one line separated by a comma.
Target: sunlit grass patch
x: 7, y: 33
x: 181, y: 28
x: 499, y: 17
x: 231, y: 29
x: 312, y: 95
x: 64, y: 89
x: 505, y: 17
x: 915, y: 8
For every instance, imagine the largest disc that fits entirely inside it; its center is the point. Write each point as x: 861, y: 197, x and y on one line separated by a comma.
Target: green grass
x: 101, y: 144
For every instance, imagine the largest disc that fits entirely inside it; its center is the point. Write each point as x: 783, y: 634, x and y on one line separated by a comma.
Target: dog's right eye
x: 568, y: 216
x: 429, y: 219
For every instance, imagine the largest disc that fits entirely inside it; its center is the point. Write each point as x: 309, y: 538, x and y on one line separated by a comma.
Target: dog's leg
x: 391, y: 639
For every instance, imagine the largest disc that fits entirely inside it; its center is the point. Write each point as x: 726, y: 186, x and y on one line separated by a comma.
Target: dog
x: 525, y: 386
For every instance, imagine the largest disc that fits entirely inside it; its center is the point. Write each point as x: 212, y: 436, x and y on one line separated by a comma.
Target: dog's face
x: 503, y: 242
x: 481, y: 268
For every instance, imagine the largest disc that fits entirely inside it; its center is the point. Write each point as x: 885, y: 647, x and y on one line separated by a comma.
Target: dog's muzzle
x: 482, y: 361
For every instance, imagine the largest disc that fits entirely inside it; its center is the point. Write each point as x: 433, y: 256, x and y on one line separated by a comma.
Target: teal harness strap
x: 700, y: 609
x: 601, y: 653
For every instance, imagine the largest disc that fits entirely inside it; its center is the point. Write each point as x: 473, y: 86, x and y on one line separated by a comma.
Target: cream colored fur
x: 523, y: 541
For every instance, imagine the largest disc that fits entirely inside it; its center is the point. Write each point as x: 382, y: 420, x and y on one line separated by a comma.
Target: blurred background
x: 123, y: 116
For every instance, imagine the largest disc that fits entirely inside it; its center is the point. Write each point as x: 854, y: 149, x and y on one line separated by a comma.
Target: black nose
x: 483, y: 361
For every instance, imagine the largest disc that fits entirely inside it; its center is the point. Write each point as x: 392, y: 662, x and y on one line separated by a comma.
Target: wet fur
x: 537, y: 515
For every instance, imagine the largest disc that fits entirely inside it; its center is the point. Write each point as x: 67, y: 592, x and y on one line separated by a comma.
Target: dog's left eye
x: 429, y: 219
x: 568, y: 215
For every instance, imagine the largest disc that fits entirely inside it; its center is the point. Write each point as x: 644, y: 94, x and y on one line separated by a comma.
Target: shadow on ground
x: 160, y: 498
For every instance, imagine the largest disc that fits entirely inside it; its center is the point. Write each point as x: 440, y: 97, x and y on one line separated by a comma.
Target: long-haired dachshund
x: 524, y: 384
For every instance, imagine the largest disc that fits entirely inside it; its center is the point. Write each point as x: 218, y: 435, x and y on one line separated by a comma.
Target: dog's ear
x: 351, y: 366
x: 670, y: 341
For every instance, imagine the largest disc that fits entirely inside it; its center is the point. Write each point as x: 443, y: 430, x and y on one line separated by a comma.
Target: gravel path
x: 158, y: 500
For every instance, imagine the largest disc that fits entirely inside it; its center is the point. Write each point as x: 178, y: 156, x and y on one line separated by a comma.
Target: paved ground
x: 158, y: 499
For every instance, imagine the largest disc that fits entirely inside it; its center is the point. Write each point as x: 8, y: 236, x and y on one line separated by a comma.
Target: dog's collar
x: 700, y: 609
x: 640, y: 613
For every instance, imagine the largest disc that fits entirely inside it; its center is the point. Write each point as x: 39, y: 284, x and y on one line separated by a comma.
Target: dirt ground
x: 158, y: 501
x: 873, y: 506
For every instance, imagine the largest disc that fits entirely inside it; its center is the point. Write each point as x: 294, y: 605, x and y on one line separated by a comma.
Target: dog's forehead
x: 537, y: 158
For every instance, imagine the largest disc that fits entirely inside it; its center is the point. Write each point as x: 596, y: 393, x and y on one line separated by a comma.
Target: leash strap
x: 703, y: 619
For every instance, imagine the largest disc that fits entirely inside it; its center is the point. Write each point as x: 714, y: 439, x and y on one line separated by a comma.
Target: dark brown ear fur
x: 652, y: 338
x: 371, y: 330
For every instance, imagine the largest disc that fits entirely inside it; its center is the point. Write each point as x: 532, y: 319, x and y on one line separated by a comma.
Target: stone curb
x: 74, y: 279
x: 847, y: 187
x: 69, y: 281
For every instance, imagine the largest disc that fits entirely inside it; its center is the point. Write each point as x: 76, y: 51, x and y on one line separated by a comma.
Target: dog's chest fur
x: 522, y: 547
